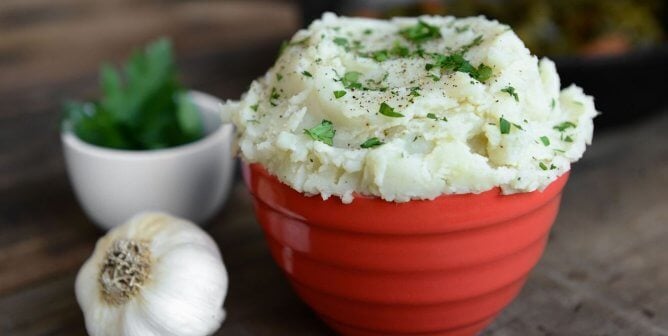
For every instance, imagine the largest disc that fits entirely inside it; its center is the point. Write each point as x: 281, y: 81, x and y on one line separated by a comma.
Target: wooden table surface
x: 605, y: 271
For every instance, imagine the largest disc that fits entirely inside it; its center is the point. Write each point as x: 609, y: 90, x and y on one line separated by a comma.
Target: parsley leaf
x: 287, y: 44
x: 504, y: 126
x: 350, y: 80
x: 482, y: 73
x: 511, y: 91
x: 542, y: 166
x: 324, y: 132
x: 462, y: 29
x: 371, y: 142
x: 273, y: 96
x: 388, y: 111
x: 457, y: 62
x: 564, y: 126
x: 341, y: 41
x: 339, y: 94
x: 476, y: 42
x: 380, y: 55
x: 306, y: 73
x: 432, y: 116
x: 399, y: 50
x: 420, y: 32
x: 545, y: 140
x: 254, y: 107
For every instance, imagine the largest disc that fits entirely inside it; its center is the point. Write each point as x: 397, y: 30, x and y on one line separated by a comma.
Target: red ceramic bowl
x: 441, y: 267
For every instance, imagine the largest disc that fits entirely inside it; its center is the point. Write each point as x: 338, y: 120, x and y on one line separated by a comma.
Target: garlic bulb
x: 154, y: 275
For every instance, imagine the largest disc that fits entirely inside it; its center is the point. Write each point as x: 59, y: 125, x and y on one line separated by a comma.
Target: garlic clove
x: 88, y: 296
x: 185, y: 290
x: 138, y: 320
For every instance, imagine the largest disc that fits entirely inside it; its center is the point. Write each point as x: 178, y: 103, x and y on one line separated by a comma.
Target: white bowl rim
x: 221, y: 133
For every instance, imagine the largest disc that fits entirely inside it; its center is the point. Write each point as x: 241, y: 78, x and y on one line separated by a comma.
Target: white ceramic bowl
x: 190, y: 181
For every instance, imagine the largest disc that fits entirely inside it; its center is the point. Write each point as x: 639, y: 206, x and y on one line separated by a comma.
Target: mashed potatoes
x: 411, y: 108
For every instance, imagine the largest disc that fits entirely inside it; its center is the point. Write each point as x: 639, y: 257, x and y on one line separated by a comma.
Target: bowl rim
x: 491, y: 207
x: 206, y: 102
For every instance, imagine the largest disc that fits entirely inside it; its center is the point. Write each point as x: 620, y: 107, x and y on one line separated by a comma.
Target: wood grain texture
x: 605, y: 271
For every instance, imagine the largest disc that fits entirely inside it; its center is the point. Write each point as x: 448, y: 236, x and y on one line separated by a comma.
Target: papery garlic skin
x: 182, y: 294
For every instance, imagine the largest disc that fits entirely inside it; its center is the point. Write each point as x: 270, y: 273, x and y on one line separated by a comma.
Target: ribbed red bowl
x: 441, y: 267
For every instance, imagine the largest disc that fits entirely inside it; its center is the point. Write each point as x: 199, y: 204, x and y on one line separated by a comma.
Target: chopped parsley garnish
x: 511, y: 91
x: 350, y: 80
x: 306, y: 73
x: 462, y: 29
x: 421, y: 32
x: 371, y: 142
x: 399, y: 50
x: 504, y: 126
x: 564, y: 126
x: 324, y: 132
x: 428, y: 66
x: 342, y: 41
x: 433, y: 116
x: 482, y: 73
x: 274, y: 95
x: 414, y: 91
x: 380, y: 55
x: 553, y: 103
x: 339, y: 94
x: 435, y: 78
x: 545, y: 140
x: 287, y: 44
x: 420, y: 52
x: 279, y: 77
x: 568, y: 139
x: 542, y: 166
x: 388, y: 111
x: 254, y: 107
x: 368, y: 31
x: 476, y: 42
x: 457, y: 62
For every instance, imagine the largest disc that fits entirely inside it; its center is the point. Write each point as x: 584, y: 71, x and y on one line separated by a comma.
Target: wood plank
x: 92, y: 33
x: 604, y: 271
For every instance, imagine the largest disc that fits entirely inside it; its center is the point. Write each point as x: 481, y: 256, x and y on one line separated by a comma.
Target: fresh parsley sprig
x: 143, y: 108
